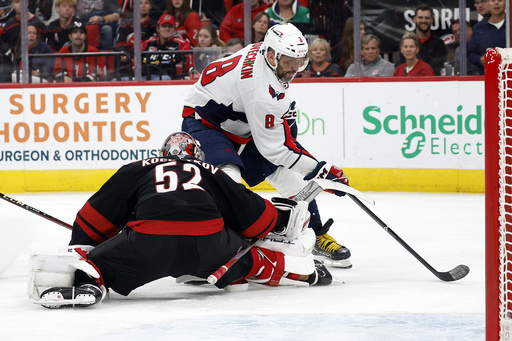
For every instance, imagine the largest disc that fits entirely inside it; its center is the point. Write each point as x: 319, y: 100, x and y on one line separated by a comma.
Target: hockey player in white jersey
x: 241, y: 111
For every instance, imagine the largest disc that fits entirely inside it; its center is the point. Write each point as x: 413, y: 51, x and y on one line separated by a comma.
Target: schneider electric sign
x: 426, y: 125
x: 428, y: 133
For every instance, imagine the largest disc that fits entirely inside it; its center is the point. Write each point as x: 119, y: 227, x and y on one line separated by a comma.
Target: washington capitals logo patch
x: 274, y: 93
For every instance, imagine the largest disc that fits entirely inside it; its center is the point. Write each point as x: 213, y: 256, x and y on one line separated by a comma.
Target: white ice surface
x: 387, y: 295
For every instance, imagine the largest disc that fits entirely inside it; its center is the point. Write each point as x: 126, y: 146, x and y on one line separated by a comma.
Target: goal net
x: 498, y: 192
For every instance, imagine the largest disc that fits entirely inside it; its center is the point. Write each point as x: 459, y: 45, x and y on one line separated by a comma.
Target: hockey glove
x: 298, y: 220
x: 324, y: 170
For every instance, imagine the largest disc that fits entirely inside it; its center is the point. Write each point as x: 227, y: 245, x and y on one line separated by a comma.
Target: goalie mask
x: 286, y: 40
x: 182, y: 144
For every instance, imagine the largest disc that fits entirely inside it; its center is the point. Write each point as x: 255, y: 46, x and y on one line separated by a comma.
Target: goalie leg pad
x: 320, y: 277
x: 300, y: 247
x: 48, y: 270
x: 299, y: 265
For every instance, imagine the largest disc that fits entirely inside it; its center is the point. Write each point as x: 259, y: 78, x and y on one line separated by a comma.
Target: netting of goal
x: 498, y: 183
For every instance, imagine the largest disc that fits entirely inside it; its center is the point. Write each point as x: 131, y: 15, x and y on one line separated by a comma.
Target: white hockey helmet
x: 182, y: 144
x: 287, y: 40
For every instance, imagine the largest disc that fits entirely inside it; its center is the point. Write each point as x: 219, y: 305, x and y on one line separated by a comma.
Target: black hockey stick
x: 35, y: 211
x: 455, y: 274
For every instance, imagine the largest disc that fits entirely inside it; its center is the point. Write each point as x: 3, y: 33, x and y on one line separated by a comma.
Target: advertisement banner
x: 418, y: 129
x: 86, y: 127
x: 414, y: 125
x: 360, y: 125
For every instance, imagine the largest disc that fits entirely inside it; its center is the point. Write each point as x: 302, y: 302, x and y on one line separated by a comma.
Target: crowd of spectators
x: 172, y: 29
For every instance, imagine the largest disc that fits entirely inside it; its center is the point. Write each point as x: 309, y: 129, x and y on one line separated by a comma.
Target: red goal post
x: 498, y: 193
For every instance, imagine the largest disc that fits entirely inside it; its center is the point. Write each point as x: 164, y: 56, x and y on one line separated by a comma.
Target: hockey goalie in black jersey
x: 176, y: 215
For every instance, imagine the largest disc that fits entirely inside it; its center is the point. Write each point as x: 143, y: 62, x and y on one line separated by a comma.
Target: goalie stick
x: 455, y: 274
x: 308, y: 193
x: 35, y: 211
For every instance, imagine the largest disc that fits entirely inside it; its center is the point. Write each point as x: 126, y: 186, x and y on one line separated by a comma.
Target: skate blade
x: 338, y: 264
x: 63, y: 303
x: 193, y: 280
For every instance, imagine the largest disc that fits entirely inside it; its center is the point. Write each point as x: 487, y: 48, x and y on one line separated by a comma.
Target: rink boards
x: 388, y: 135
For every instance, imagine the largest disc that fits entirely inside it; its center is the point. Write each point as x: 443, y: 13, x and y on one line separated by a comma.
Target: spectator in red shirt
x: 233, y: 24
x: 169, y: 65
x: 188, y: 23
x: 78, y: 69
x: 410, y: 47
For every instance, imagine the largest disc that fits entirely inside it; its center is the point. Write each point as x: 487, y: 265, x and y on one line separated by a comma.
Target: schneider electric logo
x: 413, y: 144
x: 437, y: 135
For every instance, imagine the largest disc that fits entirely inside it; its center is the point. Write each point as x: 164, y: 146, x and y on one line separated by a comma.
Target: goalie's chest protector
x: 239, y: 90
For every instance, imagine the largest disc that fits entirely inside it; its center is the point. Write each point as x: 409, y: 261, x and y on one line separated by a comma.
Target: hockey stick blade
x: 460, y: 271
x: 35, y: 211
x: 455, y: 274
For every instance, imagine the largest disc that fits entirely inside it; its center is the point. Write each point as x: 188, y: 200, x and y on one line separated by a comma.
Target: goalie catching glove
x: 324, y: 170
x: 298, y: 220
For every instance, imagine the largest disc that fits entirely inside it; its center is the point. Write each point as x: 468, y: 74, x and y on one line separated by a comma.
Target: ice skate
x: 328, y: 251
x: 84, y: 295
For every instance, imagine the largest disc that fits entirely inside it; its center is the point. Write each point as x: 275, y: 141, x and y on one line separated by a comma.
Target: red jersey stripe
x: 189, y: 111
x: 265, y: 223
x: 182, y: 228
x: 290, y: 141
x: 97, y: 220
x: 94, y: 236
x: 234, y: 138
